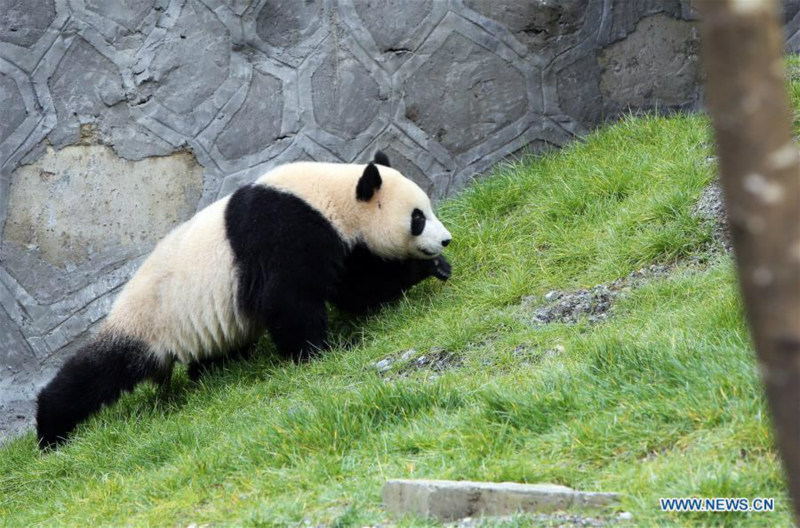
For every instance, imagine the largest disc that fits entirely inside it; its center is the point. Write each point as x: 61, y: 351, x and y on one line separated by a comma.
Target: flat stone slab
x: 448, y: 500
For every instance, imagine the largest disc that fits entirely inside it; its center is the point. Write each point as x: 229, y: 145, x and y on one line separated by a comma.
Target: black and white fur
x: 266, y: 258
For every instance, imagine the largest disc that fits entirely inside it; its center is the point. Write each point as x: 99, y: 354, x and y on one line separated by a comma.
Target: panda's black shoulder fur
x: 276, y: 235
x: 289, y: 258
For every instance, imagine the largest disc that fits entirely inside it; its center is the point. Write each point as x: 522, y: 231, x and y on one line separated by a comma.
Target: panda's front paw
x: 441, y: 268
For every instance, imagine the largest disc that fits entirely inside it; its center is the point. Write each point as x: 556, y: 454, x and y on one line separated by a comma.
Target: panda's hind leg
x: 299, y: 327
x: 163, y: 376
x: 199, y: 367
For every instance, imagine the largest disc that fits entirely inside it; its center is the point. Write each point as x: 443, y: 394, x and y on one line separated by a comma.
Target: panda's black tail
x: 96, y: 375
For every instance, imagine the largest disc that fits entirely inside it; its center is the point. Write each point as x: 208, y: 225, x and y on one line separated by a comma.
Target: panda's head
x: 397, y: 219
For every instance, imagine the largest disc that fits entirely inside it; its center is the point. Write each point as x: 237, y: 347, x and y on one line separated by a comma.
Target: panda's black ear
x: 381, y: 158
x: 368, y: 183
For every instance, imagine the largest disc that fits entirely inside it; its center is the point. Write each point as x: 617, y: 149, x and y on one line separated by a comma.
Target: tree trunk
x: 742, y: 43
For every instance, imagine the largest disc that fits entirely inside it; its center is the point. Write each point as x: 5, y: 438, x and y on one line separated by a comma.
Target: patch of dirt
x: 711, y: 207
x: 530, y: 355
x: 592, y: 305
x: 437, y: 360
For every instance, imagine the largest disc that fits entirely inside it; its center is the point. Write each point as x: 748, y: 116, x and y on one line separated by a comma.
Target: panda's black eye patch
x: 417, y: 222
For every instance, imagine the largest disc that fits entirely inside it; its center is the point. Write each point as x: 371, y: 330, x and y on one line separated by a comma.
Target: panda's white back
x: 327, y: 187
x: 182, y: 301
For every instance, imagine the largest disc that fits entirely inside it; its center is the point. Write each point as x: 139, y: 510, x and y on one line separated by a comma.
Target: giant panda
x: 266, y: 258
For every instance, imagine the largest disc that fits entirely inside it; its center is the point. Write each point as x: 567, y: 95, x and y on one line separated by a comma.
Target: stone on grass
x: 448, y: 500
x: 408, y: 354
x: 384, y: 365
x: 552, y: 295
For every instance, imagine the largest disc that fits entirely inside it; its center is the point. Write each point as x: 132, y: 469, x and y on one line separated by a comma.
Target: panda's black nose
x: 446, y: 242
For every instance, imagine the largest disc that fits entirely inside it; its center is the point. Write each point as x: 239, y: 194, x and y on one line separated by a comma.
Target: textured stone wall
x: 120, y: 118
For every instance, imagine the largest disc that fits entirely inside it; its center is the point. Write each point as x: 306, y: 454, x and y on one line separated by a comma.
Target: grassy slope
x: 661, y: 400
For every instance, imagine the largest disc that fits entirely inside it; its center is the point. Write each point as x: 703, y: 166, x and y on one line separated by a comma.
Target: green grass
x: 662, y: 400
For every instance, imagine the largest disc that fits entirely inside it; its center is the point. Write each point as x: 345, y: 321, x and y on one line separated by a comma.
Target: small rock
x: 520, y: 350
x: 551, y: 295
x: 625, y: 516
x: 408, y: 354
x: 384, y: 364
x: 438, y: 360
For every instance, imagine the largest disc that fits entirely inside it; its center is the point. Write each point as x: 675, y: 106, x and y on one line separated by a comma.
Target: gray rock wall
x: 120, y: 118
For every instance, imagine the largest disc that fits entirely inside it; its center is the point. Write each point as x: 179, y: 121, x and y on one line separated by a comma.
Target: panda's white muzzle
x: 433, y: 239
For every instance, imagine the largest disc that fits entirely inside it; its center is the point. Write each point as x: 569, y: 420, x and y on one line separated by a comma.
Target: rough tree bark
x: 742, y: 43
